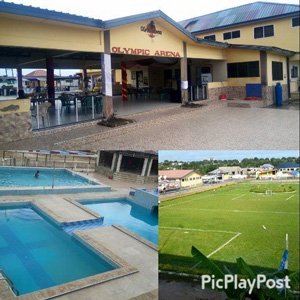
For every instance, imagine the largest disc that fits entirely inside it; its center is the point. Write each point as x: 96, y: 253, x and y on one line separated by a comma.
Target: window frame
x: 292, y: 72
x: 280, y: 77
x: 243, y: 67
x: 293, y: 18
x: 206, y: 37
x: 263, y: 27
x: 231, y: 34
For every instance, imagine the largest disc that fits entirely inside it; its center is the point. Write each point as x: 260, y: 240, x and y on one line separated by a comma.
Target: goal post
x: 269, y: 192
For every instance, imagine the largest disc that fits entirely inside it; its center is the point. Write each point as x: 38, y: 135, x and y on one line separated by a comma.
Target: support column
x: 50, y: 80
x: 144, y: 166
x: 288, y: 71
x: 119, y: 162
x: 85, y: 79
x: 98, y: 158
x: 106, y: 78
x: 149, y: 167
x: 263, y: 68
x: 124, y: 82
x: 21, y: 94
x: 184, y: 76
x: 113, y: 161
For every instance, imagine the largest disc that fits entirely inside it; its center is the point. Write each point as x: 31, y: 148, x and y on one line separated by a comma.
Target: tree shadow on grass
x: 184, y: 264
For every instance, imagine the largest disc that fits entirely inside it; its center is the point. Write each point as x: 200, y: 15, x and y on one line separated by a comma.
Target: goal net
x: 269, y: 192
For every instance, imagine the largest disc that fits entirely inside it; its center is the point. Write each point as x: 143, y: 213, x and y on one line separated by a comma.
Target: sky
x: 106, y: 10
x: 197, y: 155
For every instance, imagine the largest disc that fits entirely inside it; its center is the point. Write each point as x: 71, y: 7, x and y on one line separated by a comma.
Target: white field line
x: 183, y: 202
x: 196, y: 229
x: 218, y: 249
x: 289, y: 197
x: 229, y: 241
x: 243, y: 211
x: 238, y: 197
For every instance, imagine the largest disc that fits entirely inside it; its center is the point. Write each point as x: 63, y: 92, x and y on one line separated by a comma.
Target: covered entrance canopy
x: 141, y: 58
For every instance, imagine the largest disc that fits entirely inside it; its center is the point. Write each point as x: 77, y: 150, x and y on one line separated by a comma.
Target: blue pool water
x: 24, y: 177
x: 133, y: 217
x: 35, y: 254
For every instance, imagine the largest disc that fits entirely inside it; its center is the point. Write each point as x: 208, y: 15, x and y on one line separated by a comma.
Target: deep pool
x: 141, y: 221
x: 35, y: 254
x: 24, y: 177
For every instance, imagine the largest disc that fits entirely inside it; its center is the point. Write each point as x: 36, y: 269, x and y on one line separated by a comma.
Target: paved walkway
x: 212, y: 126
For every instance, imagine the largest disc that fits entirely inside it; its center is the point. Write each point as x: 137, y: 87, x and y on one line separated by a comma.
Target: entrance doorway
x: 139, y: 79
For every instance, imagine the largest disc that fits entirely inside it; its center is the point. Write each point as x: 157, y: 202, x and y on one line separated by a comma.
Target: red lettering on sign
x: 146, y: 52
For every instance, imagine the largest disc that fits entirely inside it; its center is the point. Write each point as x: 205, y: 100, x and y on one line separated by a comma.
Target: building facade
x: 187, y: 178
x: 144, y: 54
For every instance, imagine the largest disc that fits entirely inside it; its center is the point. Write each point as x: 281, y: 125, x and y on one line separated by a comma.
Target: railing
x: 68, y: 109
x: 198, y: 92
x: 9, y: 282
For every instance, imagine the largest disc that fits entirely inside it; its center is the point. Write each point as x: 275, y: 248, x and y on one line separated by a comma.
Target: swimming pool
x: 139, y: 220
x: 22, y: 181
x: 35, y: 254
x: 20, y: 177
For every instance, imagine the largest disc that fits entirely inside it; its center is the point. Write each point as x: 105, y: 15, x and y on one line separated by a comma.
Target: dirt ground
x: 179, y: 290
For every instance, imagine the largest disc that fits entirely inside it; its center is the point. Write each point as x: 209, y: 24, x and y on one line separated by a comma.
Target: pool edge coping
x: 123, y: 267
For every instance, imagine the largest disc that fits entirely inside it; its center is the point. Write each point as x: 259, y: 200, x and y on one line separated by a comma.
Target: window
x: 296, y: 22
x: 263, y: 31
x: 210, y: 37
x: 243, y: 69
x: 294, y: 72
x: 231, y: 35
x: 277, y: 70
x: 227, y: 35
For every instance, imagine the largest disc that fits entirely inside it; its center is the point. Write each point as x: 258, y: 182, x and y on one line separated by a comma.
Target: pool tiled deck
x: 137, y: 276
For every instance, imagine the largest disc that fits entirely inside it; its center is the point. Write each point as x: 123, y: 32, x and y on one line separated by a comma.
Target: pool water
x: 35, y: 254
x: 24, y: 177
x: 129, y: 215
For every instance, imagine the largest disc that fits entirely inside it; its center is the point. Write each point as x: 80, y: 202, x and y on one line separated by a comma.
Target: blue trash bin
x: 278, y: 94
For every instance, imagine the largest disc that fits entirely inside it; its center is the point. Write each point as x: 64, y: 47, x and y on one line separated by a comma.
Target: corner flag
x: 285, y: 257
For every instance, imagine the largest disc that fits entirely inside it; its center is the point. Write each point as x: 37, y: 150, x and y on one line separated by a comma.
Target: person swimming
x: 37, y: 174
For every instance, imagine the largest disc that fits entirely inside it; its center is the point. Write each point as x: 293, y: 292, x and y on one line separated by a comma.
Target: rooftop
x: 174, y: 173
x: 252, y: 12
x: 37, y: 12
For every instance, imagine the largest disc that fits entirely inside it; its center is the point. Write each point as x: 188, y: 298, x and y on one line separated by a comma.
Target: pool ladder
x: 3, y: 276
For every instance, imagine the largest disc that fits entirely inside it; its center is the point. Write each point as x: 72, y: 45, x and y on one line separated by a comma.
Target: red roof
x: 174, y: 173
x: 37, y: 73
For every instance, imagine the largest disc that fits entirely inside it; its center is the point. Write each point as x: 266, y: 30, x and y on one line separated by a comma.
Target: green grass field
x: 230, y: 222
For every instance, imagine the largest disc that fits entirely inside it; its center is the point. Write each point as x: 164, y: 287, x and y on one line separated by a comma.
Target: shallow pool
x: 35, y: 254
x: 24, y: 177
x: 141, y: 221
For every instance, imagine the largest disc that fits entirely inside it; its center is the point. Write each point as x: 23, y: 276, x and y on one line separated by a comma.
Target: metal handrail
x: 10, y: 283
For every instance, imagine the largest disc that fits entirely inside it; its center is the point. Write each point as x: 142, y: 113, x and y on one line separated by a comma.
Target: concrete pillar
x: 263, y: 68
x: 50, y: 79
x: 119, y: 162
x: 113, y: 163
x: 85, y: 79
x: 106, y: 78
x: 98, y: 158
x: 184, y: 76
x: 288, y: 71
x: 20, y: 83
x: 144, y: 166
x: 149, y: 167
x: 124, y: 81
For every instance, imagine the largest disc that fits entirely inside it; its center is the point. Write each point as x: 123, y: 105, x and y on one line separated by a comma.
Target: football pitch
x: 231, y: 222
